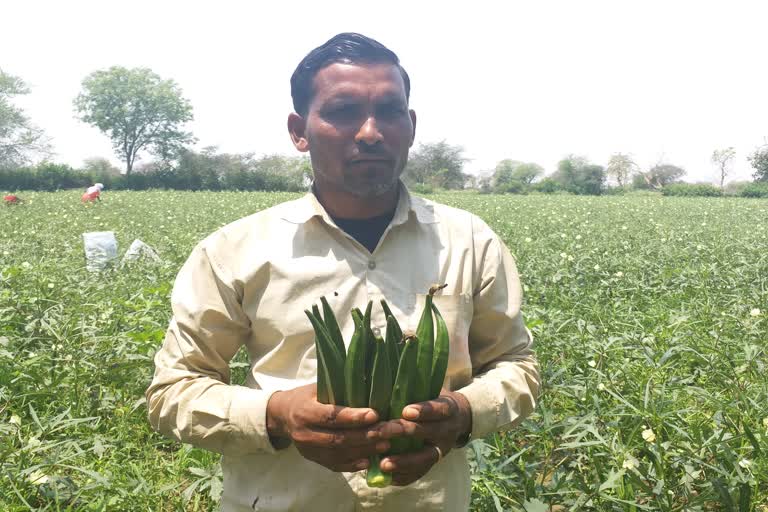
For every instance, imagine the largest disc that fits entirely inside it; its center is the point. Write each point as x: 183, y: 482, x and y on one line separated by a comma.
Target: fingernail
x: 410, y: 413
x: 362, y: 464
x: 382, y: 447
x: 370, y: 416
x: 386, y: 465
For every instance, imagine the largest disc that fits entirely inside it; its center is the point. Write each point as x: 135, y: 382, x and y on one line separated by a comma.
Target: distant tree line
x: 142, y: 113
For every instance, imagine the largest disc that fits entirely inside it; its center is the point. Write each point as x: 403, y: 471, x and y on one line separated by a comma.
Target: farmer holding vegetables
x: 358, y: 236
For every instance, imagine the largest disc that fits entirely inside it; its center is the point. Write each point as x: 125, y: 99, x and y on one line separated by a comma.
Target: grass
x: 650, y: 316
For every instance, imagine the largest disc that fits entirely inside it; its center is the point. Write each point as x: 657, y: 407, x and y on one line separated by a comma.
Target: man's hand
x: 439, y: 422
x: 339, y: 438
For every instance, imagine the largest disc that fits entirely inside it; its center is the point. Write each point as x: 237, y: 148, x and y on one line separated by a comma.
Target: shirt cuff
x: 248, y: 418
x: 485, y: 409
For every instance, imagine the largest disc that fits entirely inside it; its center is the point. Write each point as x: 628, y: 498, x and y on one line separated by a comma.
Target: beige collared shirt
x: 249, y: 283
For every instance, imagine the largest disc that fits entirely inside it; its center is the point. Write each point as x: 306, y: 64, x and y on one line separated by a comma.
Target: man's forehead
x: 340, y: 80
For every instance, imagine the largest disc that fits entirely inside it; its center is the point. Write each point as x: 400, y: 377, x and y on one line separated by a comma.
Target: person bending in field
x: 11, y: 199
x: 359, y: 235
x: 92, y: 193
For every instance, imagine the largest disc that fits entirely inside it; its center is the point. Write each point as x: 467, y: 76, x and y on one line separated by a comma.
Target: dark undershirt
x: 366, y: 231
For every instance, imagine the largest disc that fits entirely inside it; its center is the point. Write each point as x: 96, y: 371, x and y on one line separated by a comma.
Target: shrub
x: 759, y: 189
x: 691, y: 190
x: 422, y: 188
x: 547, y: 186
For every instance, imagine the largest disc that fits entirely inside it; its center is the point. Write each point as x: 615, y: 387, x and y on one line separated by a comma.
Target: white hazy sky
x: 531, y: 81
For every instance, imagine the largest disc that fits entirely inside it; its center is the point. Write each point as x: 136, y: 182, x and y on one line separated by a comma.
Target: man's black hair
x: 348, y: 48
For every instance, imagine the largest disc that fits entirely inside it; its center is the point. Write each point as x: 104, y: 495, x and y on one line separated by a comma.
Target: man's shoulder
x: 450, y: 217
x: 258, y: 225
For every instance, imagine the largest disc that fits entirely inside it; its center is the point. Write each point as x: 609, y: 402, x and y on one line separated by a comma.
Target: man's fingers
x: 404, y: 428
x: 439, y: 409
x: 415, y: 462
x: 329, y: 438
x: 337, y: 417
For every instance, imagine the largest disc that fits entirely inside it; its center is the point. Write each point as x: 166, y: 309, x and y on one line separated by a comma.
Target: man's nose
x: 369, y: 132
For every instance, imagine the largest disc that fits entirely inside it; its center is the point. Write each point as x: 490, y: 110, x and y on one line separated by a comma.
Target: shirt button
x: 371, y: 264
x: 377, y: 331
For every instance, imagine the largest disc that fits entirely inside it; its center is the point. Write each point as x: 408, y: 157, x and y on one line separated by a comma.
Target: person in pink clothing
x: 92, y: 193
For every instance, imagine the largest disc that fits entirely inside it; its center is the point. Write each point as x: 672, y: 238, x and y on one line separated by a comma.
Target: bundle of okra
x: 385, y: 374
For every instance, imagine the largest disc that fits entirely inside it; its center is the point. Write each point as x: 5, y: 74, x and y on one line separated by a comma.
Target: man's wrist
x: 465, y: 412
x: 278, y: 435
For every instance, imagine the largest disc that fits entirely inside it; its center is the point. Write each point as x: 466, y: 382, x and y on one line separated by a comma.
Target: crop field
x: 650, y: 316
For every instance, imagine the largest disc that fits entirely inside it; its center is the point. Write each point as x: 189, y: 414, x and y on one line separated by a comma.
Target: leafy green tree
x: 658, y: 176
x: 20, y: 140
x: 514, y: 176
x: 438, y: 164
x: 138, y: 110
x: 759, y: 161
x: 722, y: 158
x: 620, y: 167
x: 576, y: 175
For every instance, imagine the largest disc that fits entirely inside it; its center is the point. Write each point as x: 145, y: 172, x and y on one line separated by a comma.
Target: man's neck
x: 346, y: 206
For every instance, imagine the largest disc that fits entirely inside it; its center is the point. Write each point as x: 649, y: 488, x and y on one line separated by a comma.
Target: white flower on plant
x: 563, y: 255
x: 37, y: 477
x: 765, y: 422
x: 26, y: 264
x: 15, y: 420
x: 699, y: 247
x: 33, y: 442
x: 50, y: 286
x: 630, y: 462
x: 563, y: 235
x: 619, y: 274
x: 745, y: 463
x: 528, y: 239
x: 570, y: 258
x: 754, y: 312
x: 597, y: 267
x: 601, y: 387
x: 578, y: 237
x: 592, y: 363
x: 624, y: 228
x: 649, y: 436
x: 6, y: 253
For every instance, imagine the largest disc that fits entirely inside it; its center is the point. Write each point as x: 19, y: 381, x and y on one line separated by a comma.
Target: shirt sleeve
x: 506, y: 382
x: 190, y: 398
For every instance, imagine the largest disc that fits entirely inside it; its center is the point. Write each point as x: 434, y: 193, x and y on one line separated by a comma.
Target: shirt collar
x: 303, y: 209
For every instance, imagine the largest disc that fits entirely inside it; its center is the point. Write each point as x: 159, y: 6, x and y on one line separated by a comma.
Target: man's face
x: 358, y: 128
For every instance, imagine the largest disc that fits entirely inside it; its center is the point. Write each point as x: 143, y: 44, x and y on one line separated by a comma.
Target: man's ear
x: 297, y: 129
x: 413, y: 122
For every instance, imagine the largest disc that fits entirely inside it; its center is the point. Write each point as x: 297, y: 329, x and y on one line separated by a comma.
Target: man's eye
x: 391, y: 111
x: 341, y: 112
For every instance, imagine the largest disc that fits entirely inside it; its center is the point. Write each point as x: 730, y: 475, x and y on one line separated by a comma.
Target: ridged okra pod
x: 354, y: 367
x: 330, y: 365
x: 403, y: 390
x: 440, y: 354
x: 379, y: 400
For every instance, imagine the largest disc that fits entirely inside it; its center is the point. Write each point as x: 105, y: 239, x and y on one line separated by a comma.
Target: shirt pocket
x: 457, y: 311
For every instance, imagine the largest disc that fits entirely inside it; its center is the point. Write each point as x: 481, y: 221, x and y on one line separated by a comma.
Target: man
x: 358, y: 236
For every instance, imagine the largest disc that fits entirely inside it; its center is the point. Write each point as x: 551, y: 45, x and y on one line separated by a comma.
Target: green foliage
x: 620, y: 167
x: 438, y: 164
x: 649, y: 316
x: 576, y: 175
x: 657, y: 177
x: 691, y: 190
x: 138, y: 110
x: 421, y: 188
x: 46, y: 176
x: 20, y: 141
x: 547, y: 186
x: 759, y: 161
x: 759, y: 189
x: 513, y: 177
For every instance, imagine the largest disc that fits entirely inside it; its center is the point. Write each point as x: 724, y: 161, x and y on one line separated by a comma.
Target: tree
x: 20, y: 141
x: 138, y: 110
x: 621, y: 167
x: 722, y: 158
x: 759, y: 160
x: 438, y: 164
x: 576, y: 175
x: 658, y: 176
x: 515, y: 176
